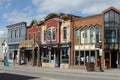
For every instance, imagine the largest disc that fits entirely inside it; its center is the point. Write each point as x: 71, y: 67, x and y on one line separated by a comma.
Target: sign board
x: 100, y: 52
x: 97, y: 45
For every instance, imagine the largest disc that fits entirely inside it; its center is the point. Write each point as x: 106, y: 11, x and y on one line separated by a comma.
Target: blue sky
x: 14, y: 11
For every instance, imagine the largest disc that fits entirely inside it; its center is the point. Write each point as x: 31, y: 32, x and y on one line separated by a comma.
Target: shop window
x: 46, y: 56
x: 65, y: 56
x: 52, y: 56
x: 86, y: 56
x: 77, y: 58
x: 81, y: 57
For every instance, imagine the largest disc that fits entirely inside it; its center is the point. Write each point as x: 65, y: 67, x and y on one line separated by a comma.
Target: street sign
x: 100, y: 52
x: 97, y: 45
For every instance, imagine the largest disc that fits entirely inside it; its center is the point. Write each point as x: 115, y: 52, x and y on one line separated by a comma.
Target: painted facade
x: 16, y: 33
x: 56, y: 42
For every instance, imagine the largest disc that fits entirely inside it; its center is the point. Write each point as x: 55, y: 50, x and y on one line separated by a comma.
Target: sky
x: 15, y: 11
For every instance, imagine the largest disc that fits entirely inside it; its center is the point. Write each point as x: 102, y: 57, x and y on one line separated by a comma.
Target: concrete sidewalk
x: 107, y: 72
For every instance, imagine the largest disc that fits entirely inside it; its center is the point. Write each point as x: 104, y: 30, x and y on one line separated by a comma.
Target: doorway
x: 113, y: 59
x: 57, y: 61
x: 107, y: 60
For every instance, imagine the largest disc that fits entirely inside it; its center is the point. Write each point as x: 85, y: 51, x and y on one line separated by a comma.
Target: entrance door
x: 107, y: 60
x: 113, y: 59
x: 57, y: 62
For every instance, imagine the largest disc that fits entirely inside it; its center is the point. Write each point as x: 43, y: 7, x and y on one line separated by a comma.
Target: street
x: 38, y: 73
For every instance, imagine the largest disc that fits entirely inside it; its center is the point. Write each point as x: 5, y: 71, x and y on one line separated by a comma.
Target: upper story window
x: 15, y: 33
x: 65, y: 33
x: 54, y: 33
x: 20, y: 32
x: 111, y: 19
x: 44, y: 35
x: 49, y: 34
x: 11, y: 32
x: 38, y: 36
x: 77, y: 34
x: 34, y: 37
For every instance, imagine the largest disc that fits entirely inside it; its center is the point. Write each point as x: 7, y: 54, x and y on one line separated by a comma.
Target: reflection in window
x: 111, y: 20
x: 81, y: 57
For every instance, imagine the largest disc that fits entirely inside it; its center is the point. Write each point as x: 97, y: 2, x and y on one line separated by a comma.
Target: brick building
x: 90, y: 31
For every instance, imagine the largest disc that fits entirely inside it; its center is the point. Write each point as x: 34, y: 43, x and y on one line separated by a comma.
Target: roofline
x: 16, y: 24
x: 87, y: 17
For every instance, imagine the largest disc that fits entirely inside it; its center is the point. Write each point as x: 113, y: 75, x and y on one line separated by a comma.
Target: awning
x: 56, y: 43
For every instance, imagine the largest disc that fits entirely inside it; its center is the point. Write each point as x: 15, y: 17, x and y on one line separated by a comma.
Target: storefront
x: 56, y: 55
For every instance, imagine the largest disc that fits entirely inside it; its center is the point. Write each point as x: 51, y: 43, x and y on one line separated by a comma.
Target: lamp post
x: 100, y: 54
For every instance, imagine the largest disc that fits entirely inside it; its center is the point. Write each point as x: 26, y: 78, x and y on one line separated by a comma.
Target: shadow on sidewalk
x: 7, y: 76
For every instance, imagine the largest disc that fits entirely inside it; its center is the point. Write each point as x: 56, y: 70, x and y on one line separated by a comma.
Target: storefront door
x: 57, y: 62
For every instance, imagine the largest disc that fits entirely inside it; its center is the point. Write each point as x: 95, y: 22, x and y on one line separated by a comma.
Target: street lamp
x: 100, y: 54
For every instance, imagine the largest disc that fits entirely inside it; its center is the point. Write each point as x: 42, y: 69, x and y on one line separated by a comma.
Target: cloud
x: 75, y: 6
x: 26, y: 15
x: 3, y: 33
x: 5, y: 4
x: 44, y: 7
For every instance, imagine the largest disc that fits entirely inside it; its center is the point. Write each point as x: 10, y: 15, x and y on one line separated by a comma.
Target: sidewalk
x: 107, y: 72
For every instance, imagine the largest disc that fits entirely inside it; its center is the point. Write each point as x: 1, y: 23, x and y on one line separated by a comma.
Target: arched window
x: 54, y: 33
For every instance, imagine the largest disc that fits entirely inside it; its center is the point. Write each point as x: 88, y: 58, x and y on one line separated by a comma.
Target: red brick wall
x: 33, y: 29
x: 53, y: 23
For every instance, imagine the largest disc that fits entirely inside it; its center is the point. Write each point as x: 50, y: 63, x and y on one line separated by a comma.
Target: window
x: 65, y: 33
x: 49, y: 34
x: 34, y: 37
x: 15, y: 33
x: 81, y: 57
x: 92, y: 35
x: 98, y: 34
x: 65, y: 56
x: 54, y: 33
x: 77, y: 34
x: 77, y: 58
x: 11, y: 32
x: 38, y: 36
x: 29, y: 36
x: 44, y: 35
x: 45, y: 56
x: 20, y: 32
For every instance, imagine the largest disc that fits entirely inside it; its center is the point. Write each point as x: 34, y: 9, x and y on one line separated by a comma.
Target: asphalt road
x: 28, y: 73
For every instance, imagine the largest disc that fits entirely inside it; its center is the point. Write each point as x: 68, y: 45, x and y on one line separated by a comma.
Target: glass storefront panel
x: 111, y: 20
x: 81, y: 57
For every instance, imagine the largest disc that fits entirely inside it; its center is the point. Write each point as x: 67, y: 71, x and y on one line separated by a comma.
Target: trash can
x: 90, y: 66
